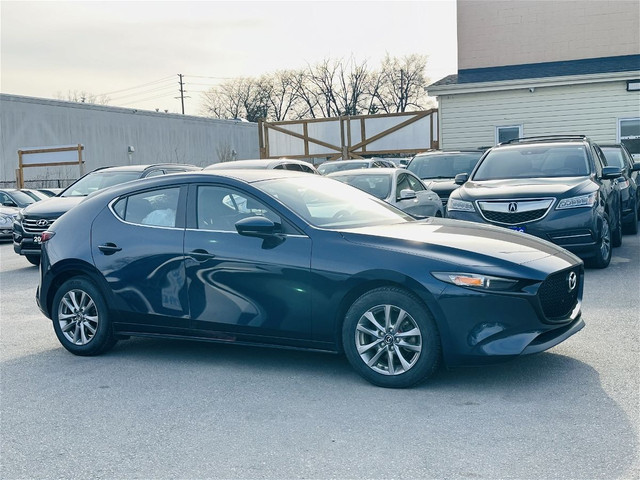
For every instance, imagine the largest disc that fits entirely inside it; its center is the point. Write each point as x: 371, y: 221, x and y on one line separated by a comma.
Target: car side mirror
x: 635, y: 167
x: 461, y: 178
x: 611, y: 173
x: 407, y: 194
x: 260, y: 227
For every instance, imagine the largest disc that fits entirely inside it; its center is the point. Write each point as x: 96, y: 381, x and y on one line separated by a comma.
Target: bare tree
x: 83, y: 97
x: 401, y: 84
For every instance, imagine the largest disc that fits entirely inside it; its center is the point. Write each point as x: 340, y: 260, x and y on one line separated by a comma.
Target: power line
x: 137, y: 86
x: 167, y: 87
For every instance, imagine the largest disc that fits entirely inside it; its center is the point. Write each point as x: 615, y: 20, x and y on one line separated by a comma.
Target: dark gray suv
x: 557, y: 188
x: 33, y: 220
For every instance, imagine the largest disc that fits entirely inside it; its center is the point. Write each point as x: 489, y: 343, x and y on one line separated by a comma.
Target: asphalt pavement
x: 160, y: 409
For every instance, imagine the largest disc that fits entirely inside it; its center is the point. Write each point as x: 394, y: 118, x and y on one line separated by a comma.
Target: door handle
x: 109, y: 248
x: 201, y: 255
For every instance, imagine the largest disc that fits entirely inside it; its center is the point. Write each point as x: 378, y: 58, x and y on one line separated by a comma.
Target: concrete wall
x: 469, y: 120
x: 494, y: 33
x: 106, y: 132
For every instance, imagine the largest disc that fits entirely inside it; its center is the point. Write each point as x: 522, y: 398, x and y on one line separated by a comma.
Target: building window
x: 629, y: 134
x: 504, y: 134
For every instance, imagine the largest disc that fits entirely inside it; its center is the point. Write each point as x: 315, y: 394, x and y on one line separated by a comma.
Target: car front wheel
x: 603, y: 247
x: 81, y: 318
x: 390, y: 338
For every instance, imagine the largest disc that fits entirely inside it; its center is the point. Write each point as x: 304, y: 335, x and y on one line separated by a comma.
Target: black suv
x: 557, y: 188
x: 438, y: 169
x: 36, y: 218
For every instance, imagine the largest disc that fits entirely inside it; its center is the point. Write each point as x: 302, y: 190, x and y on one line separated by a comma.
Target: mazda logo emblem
x: 572, y: 280
x: 42, y: 223
x: 513, y: 207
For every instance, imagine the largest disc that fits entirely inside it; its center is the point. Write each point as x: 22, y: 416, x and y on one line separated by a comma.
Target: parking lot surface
x: 174, y: 409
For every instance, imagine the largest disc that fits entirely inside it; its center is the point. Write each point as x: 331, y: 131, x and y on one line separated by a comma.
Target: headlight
x: 6, y: 220
x: 474, y: 280
x: 460, y: 205
x: 581, y: 201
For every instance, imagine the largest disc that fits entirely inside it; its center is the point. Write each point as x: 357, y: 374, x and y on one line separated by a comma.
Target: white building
x: 530, y: 68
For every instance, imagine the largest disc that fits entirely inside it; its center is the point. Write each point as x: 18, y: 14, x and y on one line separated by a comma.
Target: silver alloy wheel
x: 388, y: 340
x: 605, y: 243
x: 78, y: 317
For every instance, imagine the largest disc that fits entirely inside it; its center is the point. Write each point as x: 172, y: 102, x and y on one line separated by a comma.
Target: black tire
x: 632, y: 227
x: 391, y: 357
x: 81, y: 318
x: 616, y: 235
x: 33, y: 259
x: 602, y: 256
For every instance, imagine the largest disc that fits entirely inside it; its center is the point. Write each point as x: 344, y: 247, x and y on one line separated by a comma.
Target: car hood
x: 52, y: 207
x: 460, y: 242
x: 442, y: 186
x: 524, y: 187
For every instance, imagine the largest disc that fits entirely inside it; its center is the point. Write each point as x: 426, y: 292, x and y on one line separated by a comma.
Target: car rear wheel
x: 616, y: 235
x: 81, y: 318
x: 390, y: 338
x: 33, y: 259
x: 602, y: 256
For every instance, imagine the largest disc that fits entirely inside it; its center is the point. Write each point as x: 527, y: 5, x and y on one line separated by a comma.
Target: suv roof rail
x: 544, y: 137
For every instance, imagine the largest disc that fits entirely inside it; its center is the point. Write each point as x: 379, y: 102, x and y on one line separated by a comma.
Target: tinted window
x: 97, y: 181
x: 377, y: 185
x: 403, y: 184
x: 415, y: 183
x: 21, y: 199
x: 614, y: 157
x: 156, y: 207
x: 338, y: 166
x: 219, y: 208
x: 443, y: 165
x: 533, y: 161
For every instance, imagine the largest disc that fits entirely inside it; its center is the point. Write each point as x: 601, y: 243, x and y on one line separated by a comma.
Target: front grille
x: 556, y: 299
x: 514, y: 218
x: 36, y: 225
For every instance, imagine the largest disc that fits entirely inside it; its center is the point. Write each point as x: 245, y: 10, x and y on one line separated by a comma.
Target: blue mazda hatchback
x: 277, y: 258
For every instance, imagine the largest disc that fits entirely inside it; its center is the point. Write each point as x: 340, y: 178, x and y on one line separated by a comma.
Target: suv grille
x: 514, y: 218
x: 514, y: 212
x: 36, y: 225
x: 555, y: 297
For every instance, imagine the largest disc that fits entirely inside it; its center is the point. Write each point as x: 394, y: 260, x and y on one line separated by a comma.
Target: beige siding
x: 494, y: 33
x: 469, y: 120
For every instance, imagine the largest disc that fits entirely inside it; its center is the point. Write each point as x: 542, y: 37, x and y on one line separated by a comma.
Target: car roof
x: 256, y: 163
x: 369, y: 171
x: 142, y: 168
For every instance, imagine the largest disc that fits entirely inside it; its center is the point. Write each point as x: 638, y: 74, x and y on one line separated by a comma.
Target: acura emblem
x: 42, y: 223
x: 572, y: 280
x: 513, y: 207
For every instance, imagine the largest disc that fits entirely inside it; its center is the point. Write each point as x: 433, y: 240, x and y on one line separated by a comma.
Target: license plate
x: 518, y: 229
x: 37, y: 239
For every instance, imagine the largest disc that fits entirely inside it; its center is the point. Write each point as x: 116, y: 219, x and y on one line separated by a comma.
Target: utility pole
x: 181, y: 83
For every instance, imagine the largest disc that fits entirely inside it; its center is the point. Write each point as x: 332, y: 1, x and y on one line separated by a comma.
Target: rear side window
x: 155, y: 208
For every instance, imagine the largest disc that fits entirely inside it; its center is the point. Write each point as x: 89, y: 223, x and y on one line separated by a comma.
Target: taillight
x: 48, y: 235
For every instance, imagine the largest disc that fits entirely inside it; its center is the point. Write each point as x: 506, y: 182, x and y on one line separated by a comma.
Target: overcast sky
x: 134, y: 50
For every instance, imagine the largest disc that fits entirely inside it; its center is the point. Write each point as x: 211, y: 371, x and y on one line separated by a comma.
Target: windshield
x: 327, y: 203
x: 613, y: 156
x: 338, y: 166
x: 376, y: 185
x: 21, y: 199
x: 445, y: 165
x: 97, y: 181
x: 533, y: 161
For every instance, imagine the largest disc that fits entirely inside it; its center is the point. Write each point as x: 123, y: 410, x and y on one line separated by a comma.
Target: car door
x: 137, y: 244
x: 239, y: 284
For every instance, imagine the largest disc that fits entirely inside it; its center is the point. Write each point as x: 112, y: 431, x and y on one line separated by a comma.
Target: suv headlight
x: 460, y: 205
x: 580, y: 201
x: 6, y: 220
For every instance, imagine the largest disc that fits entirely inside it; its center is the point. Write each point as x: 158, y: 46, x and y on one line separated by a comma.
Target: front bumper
x: 24, y: 243
x: 576, y: 229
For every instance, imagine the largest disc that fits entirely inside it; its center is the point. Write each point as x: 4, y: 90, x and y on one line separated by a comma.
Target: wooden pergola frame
x: 30, y: 151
